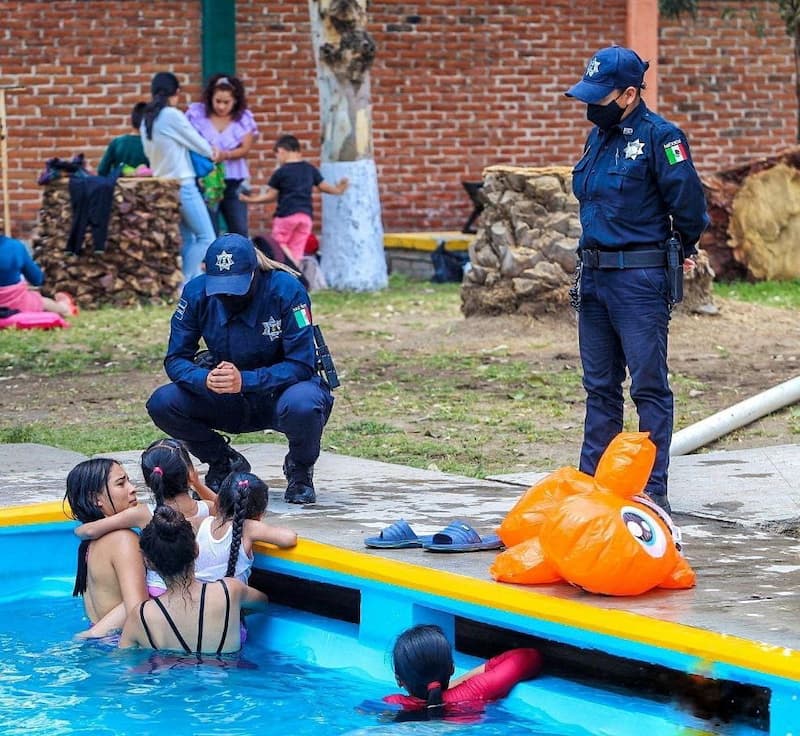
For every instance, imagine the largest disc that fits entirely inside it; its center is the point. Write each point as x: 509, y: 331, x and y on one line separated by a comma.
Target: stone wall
x: 523, y: 257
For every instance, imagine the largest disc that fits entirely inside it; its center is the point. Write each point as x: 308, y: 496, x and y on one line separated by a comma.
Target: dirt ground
x: 715, y: 360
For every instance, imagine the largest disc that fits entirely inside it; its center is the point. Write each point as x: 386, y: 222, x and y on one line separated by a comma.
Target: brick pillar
x: 641, y: 32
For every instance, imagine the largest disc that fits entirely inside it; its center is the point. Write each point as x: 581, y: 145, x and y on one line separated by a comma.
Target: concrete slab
x: 753, y: 487
x: 748, y: 577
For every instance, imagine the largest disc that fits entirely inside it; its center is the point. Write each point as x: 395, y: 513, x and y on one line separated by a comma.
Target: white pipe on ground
x: 719, y: 424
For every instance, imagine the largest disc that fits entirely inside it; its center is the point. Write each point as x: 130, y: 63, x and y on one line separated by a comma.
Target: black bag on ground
x: 448, y: 265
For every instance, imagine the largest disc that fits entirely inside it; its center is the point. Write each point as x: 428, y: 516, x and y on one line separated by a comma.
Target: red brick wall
x: 457, y: 85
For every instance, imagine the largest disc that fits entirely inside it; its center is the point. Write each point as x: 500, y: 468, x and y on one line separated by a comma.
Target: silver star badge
x: 634, y: 149
x: 224, y: 261
x: 593, y: 67
x: 272, y: 328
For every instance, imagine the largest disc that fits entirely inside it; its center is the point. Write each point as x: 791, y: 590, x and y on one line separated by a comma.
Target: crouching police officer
x: 636, y: 185
x: 259, y: 373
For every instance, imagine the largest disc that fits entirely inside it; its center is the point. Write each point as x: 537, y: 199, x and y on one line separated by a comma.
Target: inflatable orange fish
x: 597, y: 533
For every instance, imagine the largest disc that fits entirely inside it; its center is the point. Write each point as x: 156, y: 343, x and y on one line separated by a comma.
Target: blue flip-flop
x: 397, y: 536
x: 461, y: 537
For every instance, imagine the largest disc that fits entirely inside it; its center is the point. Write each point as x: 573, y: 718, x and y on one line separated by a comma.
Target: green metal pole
x: 218, y: 37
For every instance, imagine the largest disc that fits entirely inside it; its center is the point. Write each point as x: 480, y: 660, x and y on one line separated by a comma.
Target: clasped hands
x: 224, y: 379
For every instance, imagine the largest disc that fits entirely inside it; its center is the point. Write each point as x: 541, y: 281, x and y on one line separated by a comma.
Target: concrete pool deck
x: 734, y: 509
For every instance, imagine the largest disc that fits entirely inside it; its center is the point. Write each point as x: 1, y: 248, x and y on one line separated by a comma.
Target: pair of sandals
x: 457, y: 536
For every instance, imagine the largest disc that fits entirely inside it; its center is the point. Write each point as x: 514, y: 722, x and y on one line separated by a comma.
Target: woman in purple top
x: 222, y: 118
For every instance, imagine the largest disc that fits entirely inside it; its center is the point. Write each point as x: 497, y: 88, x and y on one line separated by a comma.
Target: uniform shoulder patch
x: 181, y: 308
x: 675, y: 151
x: 302, y: 315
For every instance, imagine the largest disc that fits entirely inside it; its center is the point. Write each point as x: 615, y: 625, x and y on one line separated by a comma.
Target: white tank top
x: 212, y: 560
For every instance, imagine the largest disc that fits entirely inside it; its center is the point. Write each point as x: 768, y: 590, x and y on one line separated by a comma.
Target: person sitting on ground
x: 19, y: 274
x: 110, y: 575
x: 291, y: 185
x: 205, y: 614
x: 423, y: 664
x: 226, y: 540
x: 126, y: 150
x: 169, y: 474
x: 260, y: 370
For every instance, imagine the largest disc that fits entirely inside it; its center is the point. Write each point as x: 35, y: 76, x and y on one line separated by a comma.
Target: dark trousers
x: 232, y: 209
x: 624, y: 320
x: 300, y: 412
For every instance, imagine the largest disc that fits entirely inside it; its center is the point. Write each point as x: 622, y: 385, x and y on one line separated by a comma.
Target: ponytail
x: 239, y: 516
x: 163, y: 86
x: 434, y: 694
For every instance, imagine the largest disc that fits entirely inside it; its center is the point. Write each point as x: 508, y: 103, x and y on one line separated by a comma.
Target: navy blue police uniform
x: 271, y: 343
x: 636, y: 184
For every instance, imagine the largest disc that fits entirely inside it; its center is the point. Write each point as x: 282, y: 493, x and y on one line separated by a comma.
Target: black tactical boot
x: 660, y: 499
x: 299, y: 482
x: 229, y: 462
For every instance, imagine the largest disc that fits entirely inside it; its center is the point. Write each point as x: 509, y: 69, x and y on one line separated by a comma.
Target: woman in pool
x: 110, y: 575
x: 423, y: 664
x: 169, y: 474
x: 193, y: 617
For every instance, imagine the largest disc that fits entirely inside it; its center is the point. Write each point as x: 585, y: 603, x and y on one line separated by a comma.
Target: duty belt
x: 618, y: 259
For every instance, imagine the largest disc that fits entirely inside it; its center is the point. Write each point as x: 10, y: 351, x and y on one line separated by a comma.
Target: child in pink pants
x: 291, y: 185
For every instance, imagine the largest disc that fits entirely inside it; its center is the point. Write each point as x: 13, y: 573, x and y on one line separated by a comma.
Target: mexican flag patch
x: 676, y: 152
x: 302, y: 315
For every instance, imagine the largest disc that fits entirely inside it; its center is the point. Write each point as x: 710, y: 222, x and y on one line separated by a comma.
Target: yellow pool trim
x: 428, y: 241
x: 706, y: 646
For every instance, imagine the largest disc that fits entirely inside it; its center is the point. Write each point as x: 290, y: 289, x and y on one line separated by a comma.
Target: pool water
x: 51, y: 684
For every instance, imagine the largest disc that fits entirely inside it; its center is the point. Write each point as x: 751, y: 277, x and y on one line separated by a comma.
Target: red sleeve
x: 501, y: 674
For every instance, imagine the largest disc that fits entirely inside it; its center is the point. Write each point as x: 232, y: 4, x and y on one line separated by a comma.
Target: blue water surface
x: 51, y: 684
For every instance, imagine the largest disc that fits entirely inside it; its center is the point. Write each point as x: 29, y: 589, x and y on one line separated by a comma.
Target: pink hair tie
x: 243, y: 484
x: 157, y: 471
x: 434, y: 685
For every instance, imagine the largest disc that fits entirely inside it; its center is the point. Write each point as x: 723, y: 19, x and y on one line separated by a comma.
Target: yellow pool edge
x: 704, y: 646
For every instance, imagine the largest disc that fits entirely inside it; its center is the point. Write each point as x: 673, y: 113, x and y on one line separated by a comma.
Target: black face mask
x: 605, y: 116
x: 235, y: 304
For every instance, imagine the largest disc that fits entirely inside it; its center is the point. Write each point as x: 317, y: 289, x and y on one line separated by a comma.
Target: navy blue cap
x: 230, y: 264
x: 611, y: 68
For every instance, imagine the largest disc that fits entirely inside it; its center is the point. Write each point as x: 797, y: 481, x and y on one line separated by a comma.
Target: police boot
x: 228, y: 462
x: 299, y: 482
x: 661, y: 500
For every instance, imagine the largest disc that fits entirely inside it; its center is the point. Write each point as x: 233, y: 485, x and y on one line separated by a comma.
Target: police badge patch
x: 272, y: 328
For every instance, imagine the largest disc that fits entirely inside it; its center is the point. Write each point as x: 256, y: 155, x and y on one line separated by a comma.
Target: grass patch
x: 773, y: 293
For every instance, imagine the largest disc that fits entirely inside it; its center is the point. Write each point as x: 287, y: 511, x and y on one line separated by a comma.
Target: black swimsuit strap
x: 200, y: 620
x: 146, y: 627
x: 227, y: 617
x: 172, y: 626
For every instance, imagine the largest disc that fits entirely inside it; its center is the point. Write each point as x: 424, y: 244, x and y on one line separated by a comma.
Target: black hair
x: 287, y: 143
x: 163, y: 86
x: 423, y: 662
x: 85, y: 482
x: 137, y: 113
x: 241, y: 496
x: 165, y: 467
x: 169, y: 546
x: 231, y: 84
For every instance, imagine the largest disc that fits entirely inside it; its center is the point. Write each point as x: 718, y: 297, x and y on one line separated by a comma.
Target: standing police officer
x: 259, y: 373
x: 636, y: 185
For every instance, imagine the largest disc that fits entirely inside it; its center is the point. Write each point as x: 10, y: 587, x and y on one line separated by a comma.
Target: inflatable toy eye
x: 645, y: 530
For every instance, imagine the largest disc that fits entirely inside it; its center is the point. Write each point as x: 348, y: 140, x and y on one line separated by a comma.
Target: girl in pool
x: 226, y: 540
x: 169, y: 474
x: 205, y: 614
x: 110, y: 575
x: 423, y: 665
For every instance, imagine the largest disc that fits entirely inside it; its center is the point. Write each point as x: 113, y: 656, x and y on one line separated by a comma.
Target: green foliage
x: 676, y: 8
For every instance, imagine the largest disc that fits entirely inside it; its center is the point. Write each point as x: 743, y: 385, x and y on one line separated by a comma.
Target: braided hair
x: 241, y: 496
x: 163, y: 86
x: 85, y: 483
x: 165, y: 467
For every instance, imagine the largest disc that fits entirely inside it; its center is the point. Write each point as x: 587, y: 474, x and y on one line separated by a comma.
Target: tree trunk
x: 352, y: 233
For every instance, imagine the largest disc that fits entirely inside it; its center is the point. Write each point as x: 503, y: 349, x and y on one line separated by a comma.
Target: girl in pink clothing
x: 291, y: 185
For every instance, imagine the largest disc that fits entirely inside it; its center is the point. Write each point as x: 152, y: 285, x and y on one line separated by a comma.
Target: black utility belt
x: 619, y: 259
